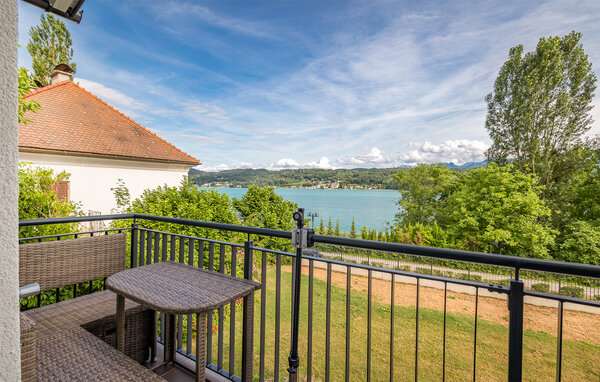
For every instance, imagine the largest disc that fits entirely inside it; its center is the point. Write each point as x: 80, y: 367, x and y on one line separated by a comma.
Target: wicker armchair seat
x: 96, y: 313
x: 77, y: 355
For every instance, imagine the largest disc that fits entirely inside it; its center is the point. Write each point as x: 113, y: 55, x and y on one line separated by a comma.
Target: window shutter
x: 62, y: 191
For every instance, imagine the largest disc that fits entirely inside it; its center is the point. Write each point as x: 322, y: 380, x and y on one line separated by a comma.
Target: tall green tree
x: 540, y: 107
x: 337, y: 231
x: 49, y: 45
x: 329, y: 227
x: 422, y: 190
x: 497, y: 209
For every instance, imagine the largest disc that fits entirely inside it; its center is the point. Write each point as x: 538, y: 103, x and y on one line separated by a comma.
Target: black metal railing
x: 330, y: 301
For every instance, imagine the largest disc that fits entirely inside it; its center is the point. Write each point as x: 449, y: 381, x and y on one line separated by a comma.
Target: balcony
x: 368, y: 310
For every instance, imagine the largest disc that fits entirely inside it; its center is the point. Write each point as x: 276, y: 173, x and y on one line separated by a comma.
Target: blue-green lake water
x: 374, y: 209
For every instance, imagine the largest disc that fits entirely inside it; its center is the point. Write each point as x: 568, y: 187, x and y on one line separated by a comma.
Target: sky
x: 312, y: 84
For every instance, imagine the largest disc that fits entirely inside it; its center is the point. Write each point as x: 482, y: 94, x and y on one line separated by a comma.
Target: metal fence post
x: 248, y: 318
x: 515, y: 331
x: 134, y: 245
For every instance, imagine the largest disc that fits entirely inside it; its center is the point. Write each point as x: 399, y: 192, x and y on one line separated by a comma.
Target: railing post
x: 134, y: 245
x: 248, y: 318
x: 515, y: 330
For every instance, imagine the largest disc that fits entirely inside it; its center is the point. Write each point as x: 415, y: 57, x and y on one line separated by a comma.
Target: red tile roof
x: 74, y: 121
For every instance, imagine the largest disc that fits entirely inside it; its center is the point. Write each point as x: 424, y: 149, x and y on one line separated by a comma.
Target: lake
x: 371, y: 208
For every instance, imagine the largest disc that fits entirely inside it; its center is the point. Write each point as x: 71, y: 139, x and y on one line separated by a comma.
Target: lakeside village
x: 318, y: 186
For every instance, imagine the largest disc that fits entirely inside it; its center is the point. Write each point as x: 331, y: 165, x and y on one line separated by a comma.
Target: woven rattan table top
x: 178, y: 288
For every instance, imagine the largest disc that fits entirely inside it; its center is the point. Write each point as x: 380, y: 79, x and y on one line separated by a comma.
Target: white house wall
x: 10, y: 353
x: 92, y: 178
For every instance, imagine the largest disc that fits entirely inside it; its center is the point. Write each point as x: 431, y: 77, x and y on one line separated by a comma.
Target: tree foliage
x: 497, y: 209
x: 540, y: 107
x: 186, y: 202
x: 25, y: 105
x: 422, y: 188
x: 262, y: 207
x: 49, y: 45
x: 37, y: 200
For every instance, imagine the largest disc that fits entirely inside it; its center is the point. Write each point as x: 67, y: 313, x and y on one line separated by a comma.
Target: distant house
x: 77, y: 132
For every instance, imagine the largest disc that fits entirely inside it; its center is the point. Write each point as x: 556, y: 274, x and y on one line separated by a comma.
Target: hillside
x: 358, y: 178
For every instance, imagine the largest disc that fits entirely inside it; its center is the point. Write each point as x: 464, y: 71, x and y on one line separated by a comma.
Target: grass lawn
x: 581, y: 360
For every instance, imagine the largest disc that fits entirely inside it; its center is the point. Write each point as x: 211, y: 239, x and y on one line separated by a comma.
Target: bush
x: 540, y: 287
x: 423, y: 270
x: 405, y: 268
x: 504, y: 282
x: 571, y: 291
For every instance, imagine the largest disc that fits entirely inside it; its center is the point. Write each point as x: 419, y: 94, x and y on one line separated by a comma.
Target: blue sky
x: 289, y: 84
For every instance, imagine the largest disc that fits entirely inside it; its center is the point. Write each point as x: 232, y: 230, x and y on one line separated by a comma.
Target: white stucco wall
x: 92, y: 178
x: 10, y: 352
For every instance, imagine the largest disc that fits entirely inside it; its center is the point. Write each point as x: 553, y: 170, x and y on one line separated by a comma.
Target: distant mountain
x: 466, y: 165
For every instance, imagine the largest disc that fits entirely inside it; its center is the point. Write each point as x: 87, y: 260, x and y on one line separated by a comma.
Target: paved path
x: 547, y: 302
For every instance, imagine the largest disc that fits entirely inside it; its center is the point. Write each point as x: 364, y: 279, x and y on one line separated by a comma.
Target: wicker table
x: 176, y: 288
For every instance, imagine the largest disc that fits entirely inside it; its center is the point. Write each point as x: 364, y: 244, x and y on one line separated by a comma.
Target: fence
x: 348, y: 331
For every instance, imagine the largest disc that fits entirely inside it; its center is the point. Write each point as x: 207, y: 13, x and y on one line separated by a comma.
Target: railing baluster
x: 156, y: 247
x: 328, y: 325
x: 200, y: 253
x: 149, y: 247
x: 165, y: 239
x: 515, y: 329
x: 189, y: 322
x: 392, y: 306
x: 134, y: 246
x: 348, y: 296
x: 310, y: 322
x: 263, y: 318
x: 172, y: 253
x: 559, y: 342
x: 232, y: 316
x: 179, y: 316
x: 475, y: 335
x: 277, y: 313
x: 142, y: 247
x: 444, y: 337
x: 209, y: 315
x: 221, y: 310
x: 417, y: 334
x: 369, y: 296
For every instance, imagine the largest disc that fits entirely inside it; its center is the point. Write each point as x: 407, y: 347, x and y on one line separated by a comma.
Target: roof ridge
x: 43, y: 89
x: 128, y: 118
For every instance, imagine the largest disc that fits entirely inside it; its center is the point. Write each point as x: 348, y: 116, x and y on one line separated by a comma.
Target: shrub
x: 504, y: 282
x: 540, y: 287
x: 572, y: 291
x: 405, y: 268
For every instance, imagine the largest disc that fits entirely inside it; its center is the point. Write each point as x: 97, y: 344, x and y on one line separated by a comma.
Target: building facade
x: 76, y: 132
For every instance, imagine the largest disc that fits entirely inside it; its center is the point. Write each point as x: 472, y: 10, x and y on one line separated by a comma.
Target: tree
x: 497, y: 209
x: 353, y: 229
x: 187, y: 202
x: 262, y: 207
x: 49, y: 45
x: 321, y: 227
x: 37, y: 200
x: 337, y: 228
x: 25, y: 105
x: 540, y: 107
x: 422, y: 190
x: 329, y: 227
x: 580, y: 243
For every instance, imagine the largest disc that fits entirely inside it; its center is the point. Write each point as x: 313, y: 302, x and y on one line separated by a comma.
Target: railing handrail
x: 576, y: 269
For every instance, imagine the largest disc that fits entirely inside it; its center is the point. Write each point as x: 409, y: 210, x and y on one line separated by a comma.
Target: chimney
x: 62, y: 72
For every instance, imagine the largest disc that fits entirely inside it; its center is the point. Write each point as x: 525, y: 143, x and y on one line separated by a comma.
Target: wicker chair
x: 55, y: 264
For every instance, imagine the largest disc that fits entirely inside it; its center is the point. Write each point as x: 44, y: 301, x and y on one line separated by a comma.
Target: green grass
x: 580, y: 359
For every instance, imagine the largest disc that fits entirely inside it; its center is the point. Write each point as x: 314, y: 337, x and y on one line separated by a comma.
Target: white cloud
x: 286, y: 163
x: 113, y: 97
x: 322, y: 163
x: 374, y: 157
x: 206, y: 109
x: 456, y: 151
x: 219, y: 167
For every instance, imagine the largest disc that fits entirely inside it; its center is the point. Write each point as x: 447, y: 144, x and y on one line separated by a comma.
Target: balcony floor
x: 174, y: 373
